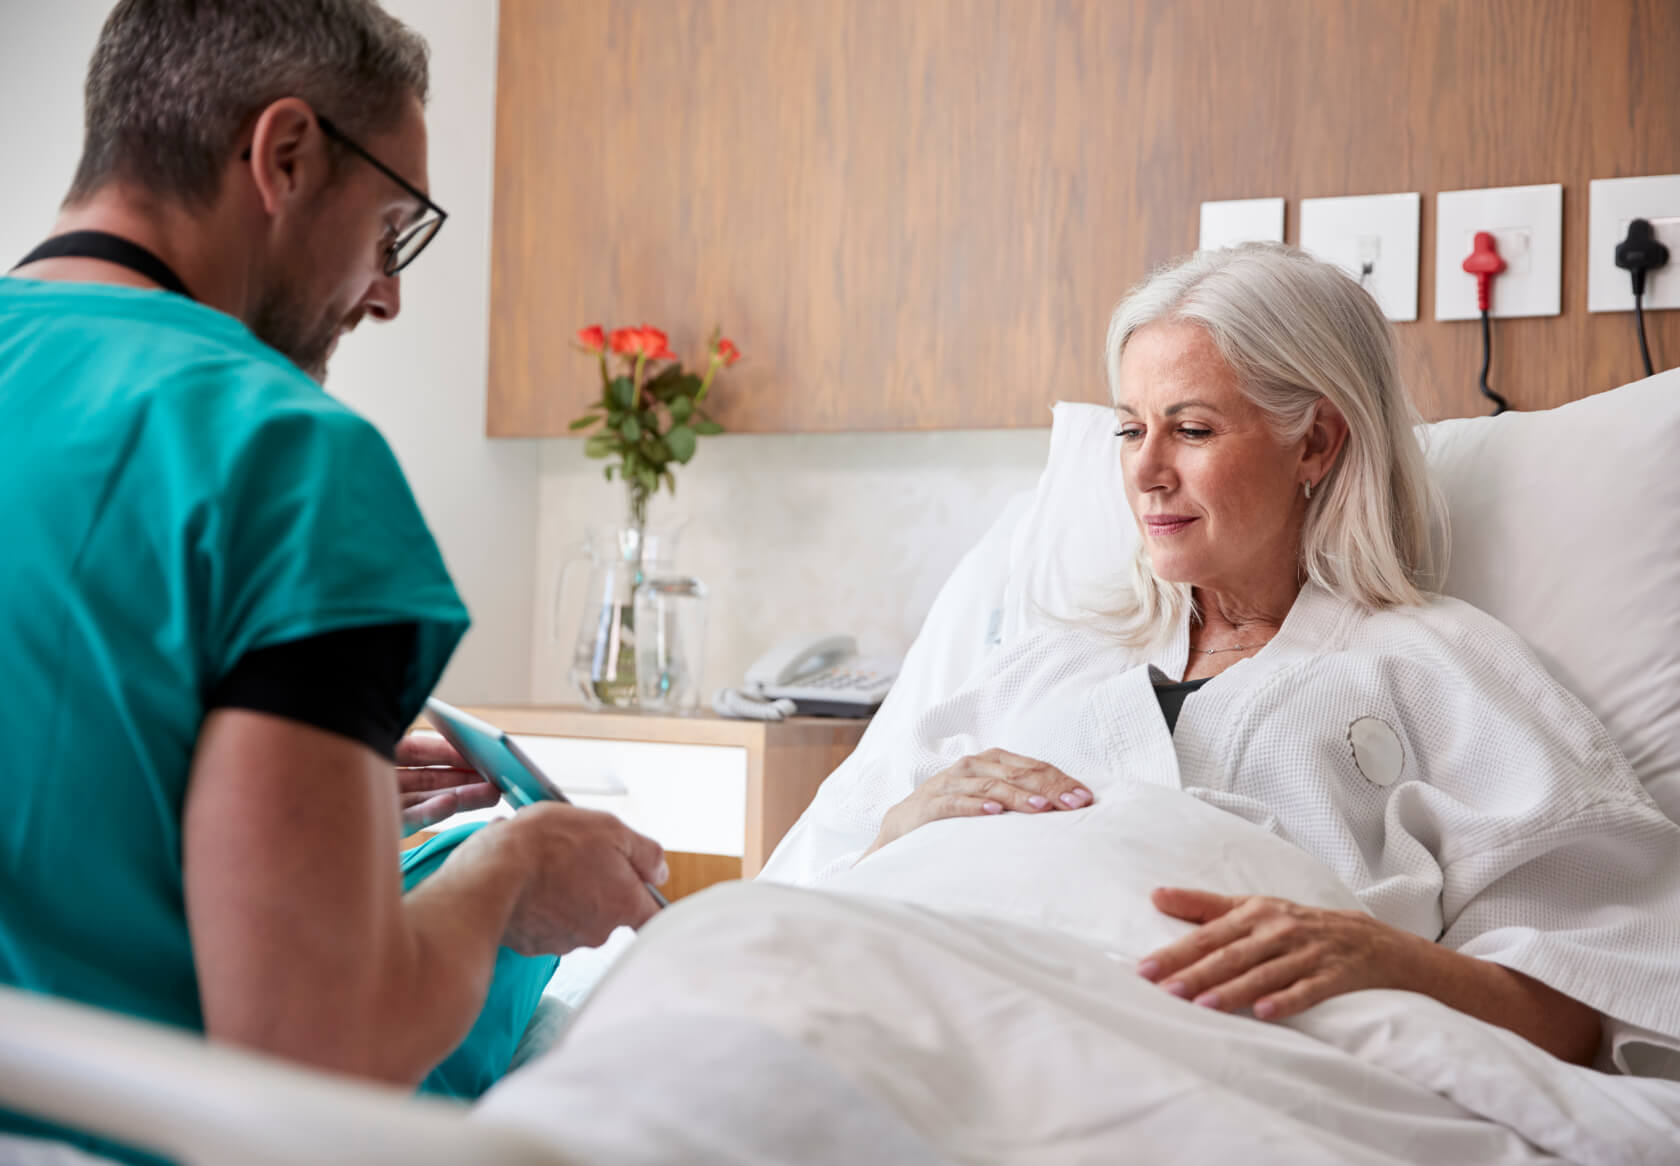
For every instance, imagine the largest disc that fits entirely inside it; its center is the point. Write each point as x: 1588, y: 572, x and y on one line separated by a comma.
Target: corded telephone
x: 824, y: 677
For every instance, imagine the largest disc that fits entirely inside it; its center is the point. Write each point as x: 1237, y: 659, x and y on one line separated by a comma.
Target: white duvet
x: 975, y: 983
x: 968, y: 994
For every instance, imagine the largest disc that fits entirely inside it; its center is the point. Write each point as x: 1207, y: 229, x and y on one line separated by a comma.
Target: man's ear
x: 1323, y: 442
x: 288, y: 155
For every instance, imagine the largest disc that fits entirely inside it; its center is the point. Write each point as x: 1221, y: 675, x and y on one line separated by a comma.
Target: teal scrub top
x: 173, y: 494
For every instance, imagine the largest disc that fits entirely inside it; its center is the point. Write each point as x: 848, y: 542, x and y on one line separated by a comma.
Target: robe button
x: 1376, y: 750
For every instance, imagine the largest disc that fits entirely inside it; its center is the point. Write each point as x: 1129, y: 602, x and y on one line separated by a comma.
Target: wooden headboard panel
x: 918, y: 214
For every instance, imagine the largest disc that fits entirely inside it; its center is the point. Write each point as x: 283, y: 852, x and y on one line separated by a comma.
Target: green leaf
x: 631, y: 429
x: 670, y: 481
x: 606, y: 472
x: 707, y: 428
x: 600, y: 445
x: 632, y: 463
x: 682, y: 442
x: 584, y: 422
x: 681, y: 409
x: 623, y: 392
x: 657, y: 453
x: 647, y: 479
x: 667, y: 383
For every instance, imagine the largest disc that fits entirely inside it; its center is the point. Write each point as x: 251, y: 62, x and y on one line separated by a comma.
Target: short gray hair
x: 173, y: 83
x: 1297, y: 331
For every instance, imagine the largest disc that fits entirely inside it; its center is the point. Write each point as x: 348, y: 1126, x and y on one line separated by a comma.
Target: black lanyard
x: 111, y: 249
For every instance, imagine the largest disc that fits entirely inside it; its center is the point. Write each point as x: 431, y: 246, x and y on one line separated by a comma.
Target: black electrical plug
x: 1637, y: 254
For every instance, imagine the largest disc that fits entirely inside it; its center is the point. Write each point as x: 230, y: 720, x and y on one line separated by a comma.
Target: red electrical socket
x: 1484, y: 263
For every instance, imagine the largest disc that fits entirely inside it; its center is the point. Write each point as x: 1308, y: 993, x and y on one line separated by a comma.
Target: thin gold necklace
x: 1216, y: 651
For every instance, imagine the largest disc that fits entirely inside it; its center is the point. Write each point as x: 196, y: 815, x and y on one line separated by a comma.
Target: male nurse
x: 220, y: 606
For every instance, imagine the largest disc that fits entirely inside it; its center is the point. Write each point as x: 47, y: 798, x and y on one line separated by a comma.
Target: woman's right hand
x: 986, y: 783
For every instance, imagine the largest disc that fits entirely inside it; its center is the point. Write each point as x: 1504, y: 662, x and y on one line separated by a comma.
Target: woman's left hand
x: 1278, y: 956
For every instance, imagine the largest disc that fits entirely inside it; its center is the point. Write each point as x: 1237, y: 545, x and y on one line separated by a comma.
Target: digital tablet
x: 494, y: 755
x: 498, y: 759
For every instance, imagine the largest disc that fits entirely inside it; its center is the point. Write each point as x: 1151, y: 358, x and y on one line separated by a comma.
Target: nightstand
x: 717, y: 794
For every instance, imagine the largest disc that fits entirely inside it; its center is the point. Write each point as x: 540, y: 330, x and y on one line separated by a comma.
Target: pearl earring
x: 1306, y: 488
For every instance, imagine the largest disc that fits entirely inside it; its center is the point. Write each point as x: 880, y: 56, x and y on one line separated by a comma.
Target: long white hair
x: 1297, y: 331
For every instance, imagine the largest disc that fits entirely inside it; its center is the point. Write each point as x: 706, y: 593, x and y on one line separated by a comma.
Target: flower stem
x: 706, y: 384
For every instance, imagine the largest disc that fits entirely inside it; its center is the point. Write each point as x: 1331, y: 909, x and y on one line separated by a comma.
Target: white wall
x: 794, y: 534
x: 422, y: 378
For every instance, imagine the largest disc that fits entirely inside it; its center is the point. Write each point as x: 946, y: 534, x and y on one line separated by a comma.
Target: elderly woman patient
x: 1276, y: 654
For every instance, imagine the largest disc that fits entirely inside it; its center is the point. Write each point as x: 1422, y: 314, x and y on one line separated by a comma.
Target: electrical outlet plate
x: 1527, y: 224
x: 1374, y: 239
x: 1616, y: 202
x: 1241, y: 220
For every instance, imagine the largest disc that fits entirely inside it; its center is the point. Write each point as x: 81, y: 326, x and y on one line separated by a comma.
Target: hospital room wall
x: 422, y: 378
x: 793, y: 534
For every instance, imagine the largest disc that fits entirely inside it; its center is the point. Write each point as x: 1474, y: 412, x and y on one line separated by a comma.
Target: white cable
x: 745, y: 704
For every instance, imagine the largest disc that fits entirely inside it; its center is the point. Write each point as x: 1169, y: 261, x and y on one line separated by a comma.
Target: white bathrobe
x: 1423, y: 754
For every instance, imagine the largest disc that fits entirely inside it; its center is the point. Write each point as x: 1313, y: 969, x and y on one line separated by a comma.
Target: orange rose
x: 592, y: 339
x: 656, y: 345
x: 646, y: 342
x: 727, y: 352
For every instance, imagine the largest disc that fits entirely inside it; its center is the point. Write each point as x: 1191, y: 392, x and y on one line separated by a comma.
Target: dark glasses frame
x: 406, y: 247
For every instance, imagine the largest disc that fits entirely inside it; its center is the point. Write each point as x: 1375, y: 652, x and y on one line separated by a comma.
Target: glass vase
x: 616, y: 561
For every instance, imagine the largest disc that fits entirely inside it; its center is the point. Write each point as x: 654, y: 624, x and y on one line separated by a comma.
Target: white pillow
x: 1565, y: 526
x: 966, y: 619
x: 1077, y: 539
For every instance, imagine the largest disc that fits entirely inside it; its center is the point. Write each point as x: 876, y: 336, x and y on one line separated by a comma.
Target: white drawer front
x: 689, y: 798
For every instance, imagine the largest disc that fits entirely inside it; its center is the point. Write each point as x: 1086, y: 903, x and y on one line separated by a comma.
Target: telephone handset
x: 824, y: 677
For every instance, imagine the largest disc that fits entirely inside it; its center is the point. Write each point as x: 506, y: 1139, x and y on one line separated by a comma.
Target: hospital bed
x: 1564, y: 524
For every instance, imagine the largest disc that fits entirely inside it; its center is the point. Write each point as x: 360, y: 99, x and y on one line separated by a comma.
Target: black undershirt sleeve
x: 349, y: 682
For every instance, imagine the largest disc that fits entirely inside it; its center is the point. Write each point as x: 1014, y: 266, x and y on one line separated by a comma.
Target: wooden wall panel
x: 918, y: 214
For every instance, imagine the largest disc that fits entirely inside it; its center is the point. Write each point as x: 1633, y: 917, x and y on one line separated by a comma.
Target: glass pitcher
x: 604, y: 654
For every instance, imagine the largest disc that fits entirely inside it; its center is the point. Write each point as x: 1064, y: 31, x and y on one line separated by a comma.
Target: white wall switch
x: 1373, y: 238
x: 1241, y: 220
x: 1527, y: 224
x: 1616, y: 202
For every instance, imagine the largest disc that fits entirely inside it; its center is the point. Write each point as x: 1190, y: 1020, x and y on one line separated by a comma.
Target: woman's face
x: 1216, y: 494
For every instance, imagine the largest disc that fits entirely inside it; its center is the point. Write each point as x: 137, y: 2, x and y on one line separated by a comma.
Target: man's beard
x: 286, y: 325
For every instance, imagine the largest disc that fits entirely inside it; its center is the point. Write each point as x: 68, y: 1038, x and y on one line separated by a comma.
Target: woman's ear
x: 1323, y: 442
x: 288, y: 155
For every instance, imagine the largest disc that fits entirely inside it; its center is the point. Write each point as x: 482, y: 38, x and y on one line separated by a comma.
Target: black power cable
x: 1639, y: 253
x: 1500, y: 404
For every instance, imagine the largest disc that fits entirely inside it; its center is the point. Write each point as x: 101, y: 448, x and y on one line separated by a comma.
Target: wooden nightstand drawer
x: 689, y: 798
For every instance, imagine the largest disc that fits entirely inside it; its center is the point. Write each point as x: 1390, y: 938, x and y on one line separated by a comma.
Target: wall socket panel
x: 1616, y: 202
x: 1241, y: 220
x: 1374, y: 238
x: 1527, y: 224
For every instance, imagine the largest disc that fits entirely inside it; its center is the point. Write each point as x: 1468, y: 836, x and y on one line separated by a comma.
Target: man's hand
x: 583, y: 875
x: 434, y: 782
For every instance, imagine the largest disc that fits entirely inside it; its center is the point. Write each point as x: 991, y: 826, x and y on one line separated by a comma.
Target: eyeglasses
x: 406, y: 247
